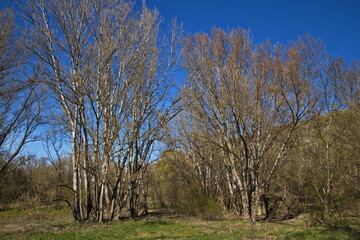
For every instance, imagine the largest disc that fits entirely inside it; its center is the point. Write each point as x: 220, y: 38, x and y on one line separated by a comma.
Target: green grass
x: 48, y: 223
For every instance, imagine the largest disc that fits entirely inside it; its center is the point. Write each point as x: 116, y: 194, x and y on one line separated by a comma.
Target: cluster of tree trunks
x: 252, y: 105
x: 103, y: 63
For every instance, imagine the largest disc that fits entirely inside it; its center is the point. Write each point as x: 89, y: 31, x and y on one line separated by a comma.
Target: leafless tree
x: 251, y: 100
x: 103, y: 66
x: 20, y: 98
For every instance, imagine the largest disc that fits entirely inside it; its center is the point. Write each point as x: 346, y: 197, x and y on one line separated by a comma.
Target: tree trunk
x: 104, y: 170
x: 75, y: 177
x: 133, y: 199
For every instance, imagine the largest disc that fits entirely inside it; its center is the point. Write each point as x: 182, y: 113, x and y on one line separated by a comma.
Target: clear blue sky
x: 336, y: 22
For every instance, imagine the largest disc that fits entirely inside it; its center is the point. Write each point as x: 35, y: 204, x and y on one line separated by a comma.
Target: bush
x: 196, y: 202
x: 210, y: 210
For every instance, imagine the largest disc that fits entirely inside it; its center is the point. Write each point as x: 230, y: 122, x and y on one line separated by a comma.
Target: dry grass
x: 57, y: 223
x: 19, y: 222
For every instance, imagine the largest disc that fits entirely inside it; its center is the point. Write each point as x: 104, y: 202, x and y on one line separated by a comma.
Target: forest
x: 136, y: 118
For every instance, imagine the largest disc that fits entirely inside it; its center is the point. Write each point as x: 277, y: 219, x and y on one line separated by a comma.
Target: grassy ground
x: 50, y: 223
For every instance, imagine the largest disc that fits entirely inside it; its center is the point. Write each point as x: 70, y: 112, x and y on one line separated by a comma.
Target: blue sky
x: 336, y: 22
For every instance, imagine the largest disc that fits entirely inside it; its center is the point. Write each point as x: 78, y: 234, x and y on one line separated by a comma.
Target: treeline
x: 317, y: 177
x: 260, y: 130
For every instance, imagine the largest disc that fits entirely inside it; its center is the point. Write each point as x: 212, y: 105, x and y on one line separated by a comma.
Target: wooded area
x: 257, y: 130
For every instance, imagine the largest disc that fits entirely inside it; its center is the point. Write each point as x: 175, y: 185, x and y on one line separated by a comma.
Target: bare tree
x: 102, y: 64
x: 20, y: 100
x: 251, y: 100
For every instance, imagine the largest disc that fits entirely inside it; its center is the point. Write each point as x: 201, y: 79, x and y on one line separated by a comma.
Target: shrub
x: 195, y: 201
